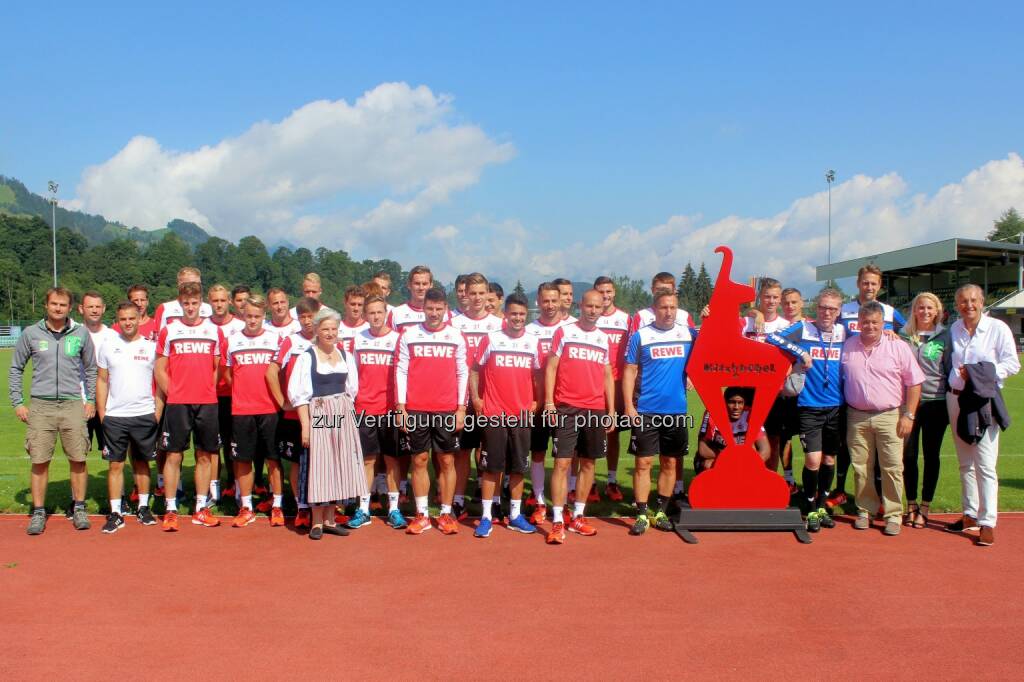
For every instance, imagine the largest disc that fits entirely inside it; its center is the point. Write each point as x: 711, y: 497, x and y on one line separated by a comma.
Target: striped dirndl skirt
x: 335, y: 455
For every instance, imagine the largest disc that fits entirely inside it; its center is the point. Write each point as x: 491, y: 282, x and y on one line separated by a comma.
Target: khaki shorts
x: 47, y: 419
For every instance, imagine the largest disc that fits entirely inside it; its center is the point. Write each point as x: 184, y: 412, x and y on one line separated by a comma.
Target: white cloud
x: 397, y: 146
x: 869, y: 215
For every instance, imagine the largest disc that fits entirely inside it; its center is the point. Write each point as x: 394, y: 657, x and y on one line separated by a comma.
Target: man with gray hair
x: 984, y: 355
x: 880, y: 375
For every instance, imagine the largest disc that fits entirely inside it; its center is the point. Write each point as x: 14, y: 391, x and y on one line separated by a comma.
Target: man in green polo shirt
x: 63, y: 359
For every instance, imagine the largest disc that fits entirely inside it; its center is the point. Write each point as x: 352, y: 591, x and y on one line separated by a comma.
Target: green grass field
x: 14, y: 465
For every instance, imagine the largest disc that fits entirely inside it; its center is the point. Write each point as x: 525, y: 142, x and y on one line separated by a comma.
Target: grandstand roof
x: 948, y: 255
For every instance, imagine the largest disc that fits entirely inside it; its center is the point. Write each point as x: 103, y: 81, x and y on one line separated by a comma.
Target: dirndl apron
x: 335, y: 454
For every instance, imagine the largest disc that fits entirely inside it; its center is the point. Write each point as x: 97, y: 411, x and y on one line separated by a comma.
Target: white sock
x: 556, y: 514
x: 487, y: 508
x: 364, y: 504
x: 497, y: 500
x: 517, y: 506
x: 537, y: 479
x: 278, y: 499
x: 578, y: 508
x: 159, y: 480
x: 678, y: 488
x: 200, y: 502
x: 143, y: 499
x: 215, y: 490
x: 392, y: 502
x: 421, y: 505
x: 115, y: 506
x: 247, y: 502
x: 171, y: 503
x: 460, y: 500
x: 446, y: 509
x: 613, y: 477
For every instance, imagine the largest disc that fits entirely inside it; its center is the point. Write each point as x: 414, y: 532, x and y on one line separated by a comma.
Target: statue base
x: 788, y: 520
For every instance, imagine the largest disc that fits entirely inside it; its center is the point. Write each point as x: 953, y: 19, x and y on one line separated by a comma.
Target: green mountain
x: 16, y: 199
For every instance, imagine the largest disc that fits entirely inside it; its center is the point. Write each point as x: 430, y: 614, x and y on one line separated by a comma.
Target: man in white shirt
x: 91, y: 309
x: 128, y: 411
x: 977, y: 338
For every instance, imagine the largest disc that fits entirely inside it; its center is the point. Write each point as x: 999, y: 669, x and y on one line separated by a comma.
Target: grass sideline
x: 14, y: 465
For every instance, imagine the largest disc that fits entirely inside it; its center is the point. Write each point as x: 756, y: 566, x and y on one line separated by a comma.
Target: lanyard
x: 828, y: 353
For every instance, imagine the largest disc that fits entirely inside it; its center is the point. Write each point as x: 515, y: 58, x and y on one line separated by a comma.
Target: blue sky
x: 683, y: 124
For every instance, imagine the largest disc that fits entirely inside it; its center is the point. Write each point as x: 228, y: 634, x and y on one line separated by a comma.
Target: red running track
x: 269, y: 602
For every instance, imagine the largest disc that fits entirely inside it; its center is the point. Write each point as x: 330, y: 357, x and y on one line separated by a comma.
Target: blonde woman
x: 931, y: 344
x: 321, y: 389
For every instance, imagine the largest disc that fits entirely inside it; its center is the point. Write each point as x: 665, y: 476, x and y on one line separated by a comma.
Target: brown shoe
x: 987, y: 537
x: 964, y: 523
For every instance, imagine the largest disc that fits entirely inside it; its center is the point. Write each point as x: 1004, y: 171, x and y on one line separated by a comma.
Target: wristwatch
x: 909, y: 415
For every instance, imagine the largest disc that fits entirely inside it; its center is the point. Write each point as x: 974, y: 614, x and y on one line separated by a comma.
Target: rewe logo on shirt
x: 661, y: 352
x: 523, y: 361
x: 588, y: 354
x: 253, y: 357
x: 818, y: 353
x: 192, y: 346
x: 366, y: 358
x: 432, y: 351
x: 854, y: 325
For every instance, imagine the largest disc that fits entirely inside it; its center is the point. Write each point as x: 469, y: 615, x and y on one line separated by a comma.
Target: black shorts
x: 430, y: 431
x: 254, y: 435
x: 821, y: 429
x: 224, y: 422
x: 138, y: 432
x: 661, y: 434
x: 289, y: 439
x: 783, y: 419
x: 94, y: 428
x: 580, y: 431
x: 541, y: 433
x: 506, y: 449
x: 377, y: 434
x: 471, y: 437
x: 185, y: 423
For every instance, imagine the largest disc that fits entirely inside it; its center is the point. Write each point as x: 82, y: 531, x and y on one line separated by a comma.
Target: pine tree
x: 702, y: 289
x: 1009, y: 225
x: 687, y: 291
x: 519, y: 288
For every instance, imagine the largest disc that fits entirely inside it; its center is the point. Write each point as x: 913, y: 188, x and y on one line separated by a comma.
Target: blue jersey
x: 661, y: 356
x: 823, y: 383
x: 891, y: 318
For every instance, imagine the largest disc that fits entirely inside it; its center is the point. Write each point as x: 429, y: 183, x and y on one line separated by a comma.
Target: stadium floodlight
x: 53, y: 186
x: 830, y: 177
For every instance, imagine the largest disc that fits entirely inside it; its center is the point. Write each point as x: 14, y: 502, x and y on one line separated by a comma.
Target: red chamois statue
x: 723, y: 357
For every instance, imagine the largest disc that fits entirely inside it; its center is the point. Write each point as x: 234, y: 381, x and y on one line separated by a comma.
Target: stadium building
x: 941, y: 267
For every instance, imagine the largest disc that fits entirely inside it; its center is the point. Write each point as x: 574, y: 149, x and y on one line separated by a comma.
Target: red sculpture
x: 723, y: 357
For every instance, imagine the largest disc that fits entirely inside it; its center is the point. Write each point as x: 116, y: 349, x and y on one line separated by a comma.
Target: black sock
x: 663, y: 502
x: 810, y: 480
x: 824, y: 481
x: 842, y: 467
x: 641, y: 508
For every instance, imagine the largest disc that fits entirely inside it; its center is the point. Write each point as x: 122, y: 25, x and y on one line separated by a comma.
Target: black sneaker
x: 145, y: 517
x: 459, y: 511
x: 114, y: 523
x: 813, y: 522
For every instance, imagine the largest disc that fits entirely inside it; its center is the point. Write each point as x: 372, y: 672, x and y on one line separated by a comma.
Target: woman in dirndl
x: 322, y: 388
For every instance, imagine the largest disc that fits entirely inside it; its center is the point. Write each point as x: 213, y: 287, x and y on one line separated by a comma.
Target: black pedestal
x: 740, y: 519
